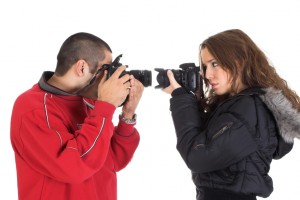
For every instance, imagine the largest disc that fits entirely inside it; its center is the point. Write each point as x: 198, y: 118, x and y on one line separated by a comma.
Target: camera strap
x: 93, y: 79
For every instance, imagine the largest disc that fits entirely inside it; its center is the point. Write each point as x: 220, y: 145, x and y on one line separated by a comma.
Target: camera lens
x: 162, y: 78
x: 144, y: 76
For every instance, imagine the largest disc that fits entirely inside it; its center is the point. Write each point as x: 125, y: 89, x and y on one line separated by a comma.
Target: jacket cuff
x: 179, y: 91
x: 124, y: 129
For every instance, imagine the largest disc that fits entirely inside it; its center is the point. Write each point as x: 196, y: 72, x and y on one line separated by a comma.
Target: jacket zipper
x: 222, y: 130
x: 219, y: 132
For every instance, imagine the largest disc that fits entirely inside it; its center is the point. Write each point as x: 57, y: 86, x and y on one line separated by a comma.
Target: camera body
x: 187, y: 77
x: 144, y: 76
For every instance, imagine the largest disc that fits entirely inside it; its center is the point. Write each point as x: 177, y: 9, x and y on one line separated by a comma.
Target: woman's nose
x: 208, y: 74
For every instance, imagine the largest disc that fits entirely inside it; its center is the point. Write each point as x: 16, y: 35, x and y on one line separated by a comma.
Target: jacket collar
x: 252, y: 91
x: 49, y: 88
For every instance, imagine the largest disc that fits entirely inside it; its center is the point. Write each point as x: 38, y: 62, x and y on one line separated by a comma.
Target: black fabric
x: 282, y: 148
x: 211, y: 194
x: 179, y: 91
x: 233, y: 147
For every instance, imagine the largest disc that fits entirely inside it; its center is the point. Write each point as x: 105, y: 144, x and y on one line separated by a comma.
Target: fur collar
x: 287, y: 117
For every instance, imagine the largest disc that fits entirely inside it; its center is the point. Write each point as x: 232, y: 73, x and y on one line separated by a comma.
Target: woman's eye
x: 204, y: 67
x: 215, y: 64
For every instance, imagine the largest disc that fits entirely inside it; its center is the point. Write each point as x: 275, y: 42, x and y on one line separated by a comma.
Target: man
x: 66, y: 146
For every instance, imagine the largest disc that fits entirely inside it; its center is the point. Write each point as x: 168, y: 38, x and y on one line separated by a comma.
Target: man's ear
x: 80, y: 67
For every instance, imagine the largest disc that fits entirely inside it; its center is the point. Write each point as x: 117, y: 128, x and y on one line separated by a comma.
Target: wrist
x: 128, y: 119
x: 127, y: 114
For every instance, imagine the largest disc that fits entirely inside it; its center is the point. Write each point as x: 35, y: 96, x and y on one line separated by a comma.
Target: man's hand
x: 173, y: 83
x: 114, y: 90
x: 135, y: 94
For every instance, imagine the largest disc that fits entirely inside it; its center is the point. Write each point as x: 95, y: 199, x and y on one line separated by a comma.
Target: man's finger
x: 103, y: 79
x: 118, y: 72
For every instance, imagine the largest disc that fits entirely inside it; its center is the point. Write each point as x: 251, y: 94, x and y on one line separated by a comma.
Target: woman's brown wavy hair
x: 238, y: 54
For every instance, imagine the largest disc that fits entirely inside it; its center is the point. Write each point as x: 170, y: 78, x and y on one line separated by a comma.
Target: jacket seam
x: 47, y: 119
x: 96, y: 139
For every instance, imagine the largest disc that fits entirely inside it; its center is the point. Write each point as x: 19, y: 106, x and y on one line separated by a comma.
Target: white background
x: 149, y: 34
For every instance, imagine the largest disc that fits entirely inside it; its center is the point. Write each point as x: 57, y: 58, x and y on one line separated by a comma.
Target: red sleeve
x: 124, y: 143
x: 55, y: 152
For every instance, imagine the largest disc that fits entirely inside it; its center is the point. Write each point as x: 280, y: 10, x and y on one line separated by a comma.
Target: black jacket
x: 231, y: 149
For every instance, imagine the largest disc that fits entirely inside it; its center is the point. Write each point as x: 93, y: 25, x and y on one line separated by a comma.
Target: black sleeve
x: 204, y: 148
x: 179, y: 91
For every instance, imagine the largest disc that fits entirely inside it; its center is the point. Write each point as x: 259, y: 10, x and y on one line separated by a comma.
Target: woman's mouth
x: 213, y: 85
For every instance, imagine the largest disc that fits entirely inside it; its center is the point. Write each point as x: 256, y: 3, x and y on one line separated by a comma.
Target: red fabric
x: 67, y: 151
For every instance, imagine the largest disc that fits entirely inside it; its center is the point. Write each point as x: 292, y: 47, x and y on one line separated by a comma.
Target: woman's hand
x: 173, y: 83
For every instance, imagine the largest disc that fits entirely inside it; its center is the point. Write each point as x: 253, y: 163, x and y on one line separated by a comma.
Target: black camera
x: 187, y: 77
x: 144, y: 76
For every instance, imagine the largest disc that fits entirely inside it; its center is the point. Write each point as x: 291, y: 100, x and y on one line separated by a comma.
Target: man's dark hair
x: 80, y: 46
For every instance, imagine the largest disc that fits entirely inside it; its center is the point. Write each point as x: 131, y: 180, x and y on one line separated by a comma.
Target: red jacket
x: 66, y: 147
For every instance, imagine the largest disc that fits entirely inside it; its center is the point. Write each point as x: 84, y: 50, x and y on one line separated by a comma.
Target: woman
x: 247, y: 117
